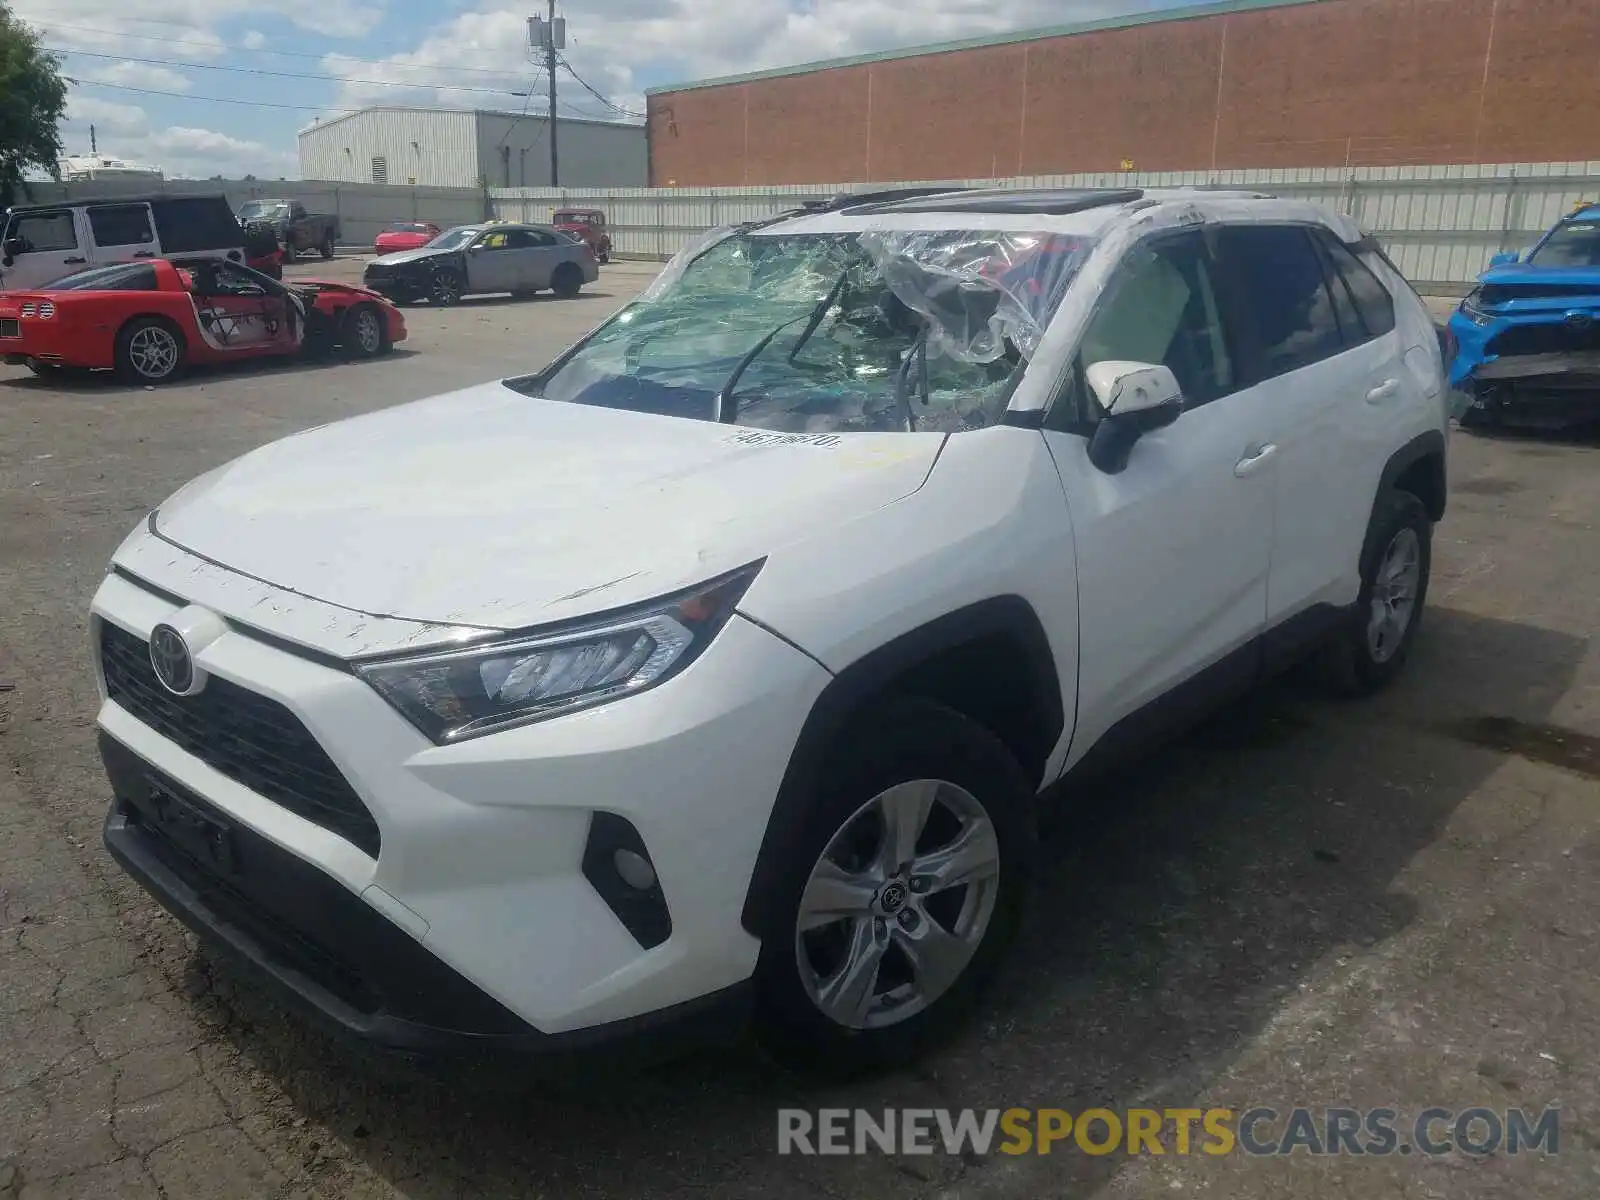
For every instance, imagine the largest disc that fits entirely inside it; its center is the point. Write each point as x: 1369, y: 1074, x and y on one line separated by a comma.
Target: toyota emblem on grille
x: 174, y: 665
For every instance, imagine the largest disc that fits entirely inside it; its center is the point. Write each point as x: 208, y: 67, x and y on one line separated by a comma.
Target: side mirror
x: 1505, y: 259
x: 1138, y: 398
x: 14, y: 246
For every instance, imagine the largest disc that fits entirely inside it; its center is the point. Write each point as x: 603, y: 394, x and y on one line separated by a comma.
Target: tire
x: 1371, y: 653
x: 150, y: 350
x: 363, y: 334
x: 445, y: 289
x: 326, y: 248
x: 43, y: 370
x: 288, y: 249
x: 567, y: 280
x: 909, y: 745
x: 604, y: 256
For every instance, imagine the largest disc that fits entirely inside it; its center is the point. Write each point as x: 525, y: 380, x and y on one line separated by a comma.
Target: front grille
x: 253, y: 740
x: 1493, y: 294
x: 1555, y: 338
x: 10, y: 327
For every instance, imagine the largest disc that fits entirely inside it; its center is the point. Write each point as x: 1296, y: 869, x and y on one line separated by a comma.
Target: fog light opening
x: 618, y: 867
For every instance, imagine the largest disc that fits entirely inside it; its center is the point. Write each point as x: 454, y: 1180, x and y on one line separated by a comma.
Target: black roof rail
x: 881, y: 196
x: 1026, y: 201
x: 133, y: 198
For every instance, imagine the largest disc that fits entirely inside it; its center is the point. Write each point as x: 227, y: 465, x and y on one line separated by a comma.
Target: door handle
x: 73, y: 260
x: 1255, y: 458
x: 1384, y: 391
x: 144, y: 254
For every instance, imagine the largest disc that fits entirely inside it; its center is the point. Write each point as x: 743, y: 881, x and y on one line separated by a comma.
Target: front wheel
x: 1395, y: 565
x: 445, y: 289
x: 900, y: 894
x: 149, y: 351
x: 326, y: 249
x: 364, y: 335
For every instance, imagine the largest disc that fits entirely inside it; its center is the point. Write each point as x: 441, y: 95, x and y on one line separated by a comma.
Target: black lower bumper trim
x: 330, y: 955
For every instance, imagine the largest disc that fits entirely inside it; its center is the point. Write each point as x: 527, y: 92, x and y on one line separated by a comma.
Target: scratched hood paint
x: 485, y: 507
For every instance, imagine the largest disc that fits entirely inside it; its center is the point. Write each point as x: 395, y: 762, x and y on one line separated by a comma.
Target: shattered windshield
x: 829, y: 333
x: 454, y: 239
x: 1571, y: 244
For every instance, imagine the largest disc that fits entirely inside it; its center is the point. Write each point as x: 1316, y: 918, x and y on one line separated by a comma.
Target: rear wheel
x: 149, y: 350
x: 604, y: 255
x: 1395, y: 565
x: 327, y: 246
x: 900, y: 893
x: 567, y: 280
x: 363, y: 334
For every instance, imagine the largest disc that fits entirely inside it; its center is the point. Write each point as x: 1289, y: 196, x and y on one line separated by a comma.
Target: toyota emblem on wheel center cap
x: 892, y: 898
x: 174, y: 665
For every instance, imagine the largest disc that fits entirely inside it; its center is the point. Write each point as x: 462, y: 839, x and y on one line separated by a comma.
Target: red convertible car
x: 147, y: 320
x: 405, y: 235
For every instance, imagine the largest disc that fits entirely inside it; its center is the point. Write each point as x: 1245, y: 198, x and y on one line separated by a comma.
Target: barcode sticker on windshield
x: 762, y: 437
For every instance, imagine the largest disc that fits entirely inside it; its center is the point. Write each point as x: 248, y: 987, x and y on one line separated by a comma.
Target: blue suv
x: 1527, y: 338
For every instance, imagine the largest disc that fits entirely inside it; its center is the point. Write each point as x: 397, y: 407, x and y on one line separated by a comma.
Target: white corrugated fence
x: 1441, y: 224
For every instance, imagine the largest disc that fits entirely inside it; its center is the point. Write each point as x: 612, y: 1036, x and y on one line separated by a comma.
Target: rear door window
x: 121, y: 225
x: 1281, y: 297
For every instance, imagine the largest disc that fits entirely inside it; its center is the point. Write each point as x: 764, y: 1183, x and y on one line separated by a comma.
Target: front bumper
x: 480, y: 888
x: 317, y: 947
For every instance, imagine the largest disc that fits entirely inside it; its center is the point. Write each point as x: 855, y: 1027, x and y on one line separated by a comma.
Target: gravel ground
x: 1384, y: 903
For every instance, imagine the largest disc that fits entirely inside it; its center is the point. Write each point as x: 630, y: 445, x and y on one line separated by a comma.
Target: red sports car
x: 405, y: 235
x: 147, y: 320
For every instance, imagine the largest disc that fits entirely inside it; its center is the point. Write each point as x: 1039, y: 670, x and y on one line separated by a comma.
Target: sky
x: 220, y: 87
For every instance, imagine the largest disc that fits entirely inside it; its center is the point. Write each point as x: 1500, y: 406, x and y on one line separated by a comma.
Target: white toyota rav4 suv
x: 718, y: 669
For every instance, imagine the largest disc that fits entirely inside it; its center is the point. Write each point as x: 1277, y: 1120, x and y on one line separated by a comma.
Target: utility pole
x: 550, y: 35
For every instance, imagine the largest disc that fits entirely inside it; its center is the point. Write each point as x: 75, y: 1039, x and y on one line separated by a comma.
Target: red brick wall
x: 1359, y: 82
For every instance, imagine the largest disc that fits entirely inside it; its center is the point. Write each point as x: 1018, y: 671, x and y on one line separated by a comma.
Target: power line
x: 125, y: 87
x: 168, y: 62
x: 584, y: 83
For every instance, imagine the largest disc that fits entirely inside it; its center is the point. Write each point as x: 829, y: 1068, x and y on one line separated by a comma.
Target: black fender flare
x: 1430, y: 444
x: 876, y: 671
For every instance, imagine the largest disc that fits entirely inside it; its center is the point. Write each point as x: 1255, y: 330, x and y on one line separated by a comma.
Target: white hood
x: 485, y: 507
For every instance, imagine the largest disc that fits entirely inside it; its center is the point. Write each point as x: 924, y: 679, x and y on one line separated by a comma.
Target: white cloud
x: 253, y: 39
x: 188, y: 28
x: 136, y: 74
x: 180, y: 151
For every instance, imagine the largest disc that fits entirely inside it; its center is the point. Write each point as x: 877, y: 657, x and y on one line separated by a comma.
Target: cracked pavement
x: 1392, y: 902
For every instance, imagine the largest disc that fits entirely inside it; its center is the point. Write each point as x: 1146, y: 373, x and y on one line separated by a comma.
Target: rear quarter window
x: 1374, y: 306
x: 189, y: 223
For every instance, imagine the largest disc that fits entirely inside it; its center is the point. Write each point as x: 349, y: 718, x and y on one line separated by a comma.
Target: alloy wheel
x: 153, y: 351
x: 898, y: 904
x: 368, y: 332
x: 1394, y: 595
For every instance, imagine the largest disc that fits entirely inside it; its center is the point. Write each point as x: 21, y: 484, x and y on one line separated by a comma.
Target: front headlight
x: 459, y: 694
x: 1471, y: 311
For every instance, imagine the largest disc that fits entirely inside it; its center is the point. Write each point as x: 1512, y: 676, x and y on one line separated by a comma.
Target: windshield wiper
x: 725, y: 411
x: 902, y: 393
x: 819, y: 312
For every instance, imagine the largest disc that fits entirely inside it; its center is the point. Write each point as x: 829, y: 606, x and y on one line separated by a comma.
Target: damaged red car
x: 149, y: 320
x: 588, y: 225
x: 404, y: 235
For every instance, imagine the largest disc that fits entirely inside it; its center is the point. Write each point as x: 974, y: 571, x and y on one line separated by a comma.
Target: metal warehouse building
x: 432, y: 147
x: 1240, y: 84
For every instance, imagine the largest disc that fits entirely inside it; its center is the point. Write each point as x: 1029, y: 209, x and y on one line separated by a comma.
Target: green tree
x: 33, y: 97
